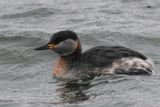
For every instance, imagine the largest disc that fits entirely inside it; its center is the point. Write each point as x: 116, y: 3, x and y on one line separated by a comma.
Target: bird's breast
x: 59, y: 68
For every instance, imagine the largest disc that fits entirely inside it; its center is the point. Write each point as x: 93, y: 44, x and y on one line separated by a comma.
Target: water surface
x: 26, y: 75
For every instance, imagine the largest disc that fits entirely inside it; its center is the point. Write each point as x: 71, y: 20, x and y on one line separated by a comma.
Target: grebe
x: 100, y: 60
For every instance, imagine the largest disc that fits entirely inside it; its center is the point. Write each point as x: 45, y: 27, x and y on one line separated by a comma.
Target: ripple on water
x: 39, y: 12
x: 25, y: 73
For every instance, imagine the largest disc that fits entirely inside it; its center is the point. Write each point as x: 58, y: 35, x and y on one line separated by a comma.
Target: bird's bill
x: 46, y: 46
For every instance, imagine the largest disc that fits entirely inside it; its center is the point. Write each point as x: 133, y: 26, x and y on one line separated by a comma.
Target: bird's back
x: 103, y: 56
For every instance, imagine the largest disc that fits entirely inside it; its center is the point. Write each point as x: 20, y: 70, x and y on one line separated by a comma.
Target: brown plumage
x: 100, y: 60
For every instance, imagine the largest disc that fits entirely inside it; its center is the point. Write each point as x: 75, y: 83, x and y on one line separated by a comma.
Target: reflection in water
x: 73, y: 92
x: 78, y: 91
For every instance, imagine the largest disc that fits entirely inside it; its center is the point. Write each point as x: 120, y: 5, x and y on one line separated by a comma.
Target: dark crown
x: 62, y: 36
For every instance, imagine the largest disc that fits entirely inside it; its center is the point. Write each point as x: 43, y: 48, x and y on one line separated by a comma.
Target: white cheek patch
x: 66, y: 47
x: 126, y: 64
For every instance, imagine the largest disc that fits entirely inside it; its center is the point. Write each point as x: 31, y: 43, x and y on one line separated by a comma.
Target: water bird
x: 100, y: 60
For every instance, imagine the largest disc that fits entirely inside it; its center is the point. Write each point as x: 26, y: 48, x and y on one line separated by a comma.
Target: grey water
x: 26, y: 75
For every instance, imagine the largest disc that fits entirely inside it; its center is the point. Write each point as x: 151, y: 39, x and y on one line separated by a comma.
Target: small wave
x: 19, y: 47
x: 27, y: 38
x: 18, y: 41
x: 131, y: 0
x: 40, y: 12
